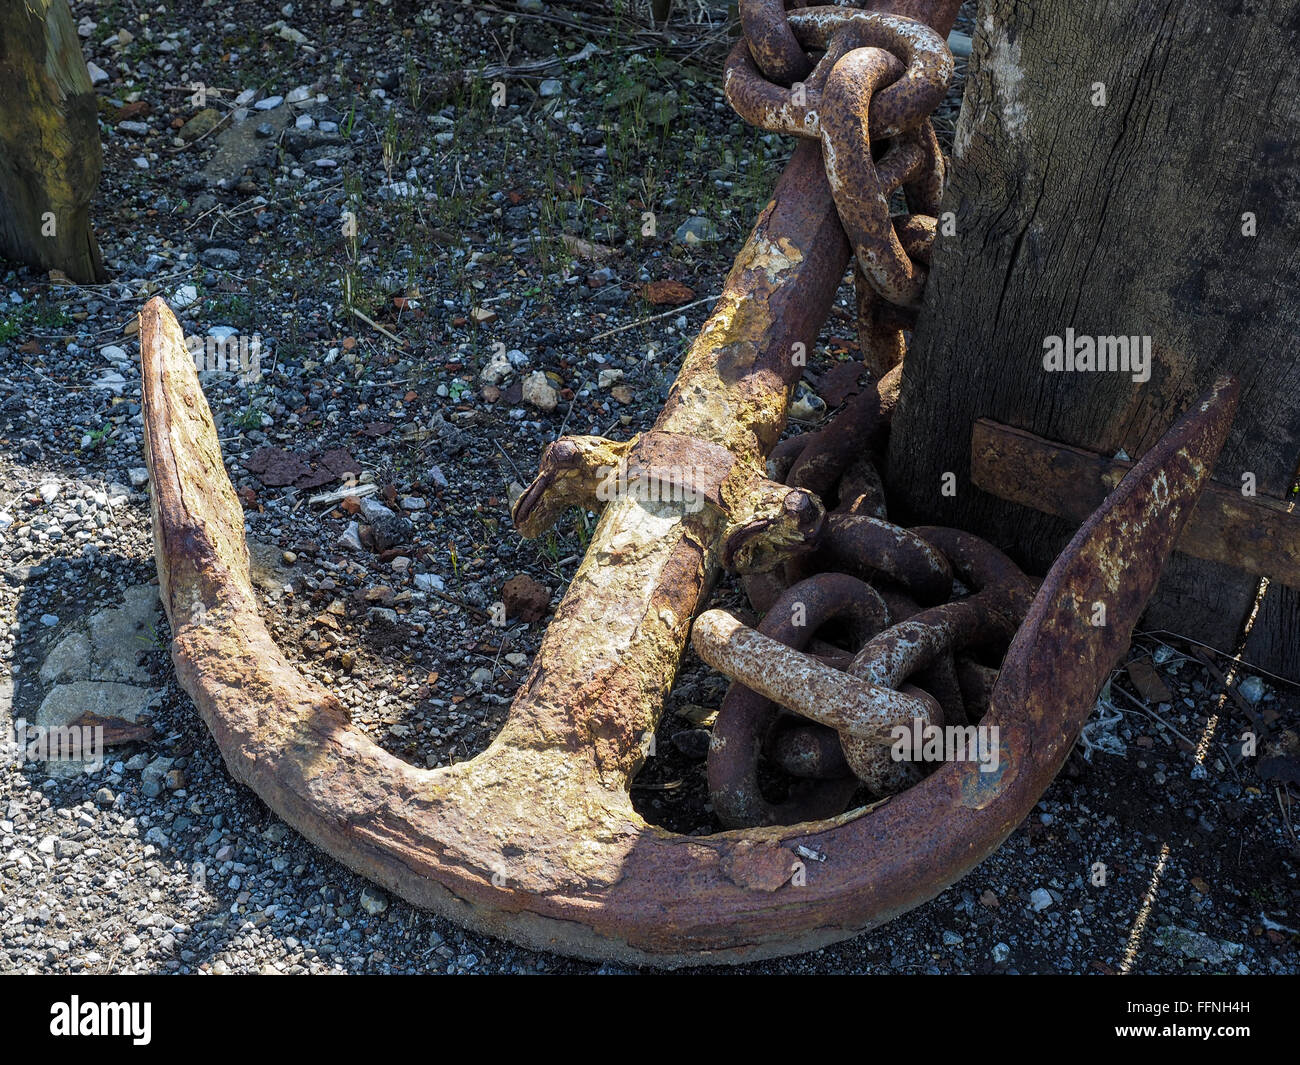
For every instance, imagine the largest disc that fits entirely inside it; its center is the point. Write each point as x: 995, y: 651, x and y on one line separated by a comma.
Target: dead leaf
x: 1148, y: 682
x: 667, y: 293
x: 276, y: 467
x: 340, y: 462
x: 138, y: 109
x: 586, y: 249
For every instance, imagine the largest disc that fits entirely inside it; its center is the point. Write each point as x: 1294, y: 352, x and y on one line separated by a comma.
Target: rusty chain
x: 867, y: 99
x: 823, y: 715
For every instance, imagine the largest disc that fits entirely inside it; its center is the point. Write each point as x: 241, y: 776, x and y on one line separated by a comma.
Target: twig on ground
x: 653, y: 317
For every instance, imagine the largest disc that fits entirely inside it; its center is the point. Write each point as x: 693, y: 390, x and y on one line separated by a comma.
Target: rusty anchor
x: 536, y: 838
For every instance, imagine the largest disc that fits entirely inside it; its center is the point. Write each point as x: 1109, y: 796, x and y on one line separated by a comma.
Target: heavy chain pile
x: 815, y: 712
x: 913, y: 647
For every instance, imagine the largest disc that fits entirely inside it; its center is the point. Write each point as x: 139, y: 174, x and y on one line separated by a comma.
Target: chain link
x: 867, y: 98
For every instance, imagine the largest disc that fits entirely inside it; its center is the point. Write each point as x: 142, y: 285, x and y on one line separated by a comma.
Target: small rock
x: 481, y: 677
x: 497, y: 369
x: 373, y: 901
x: 156, y: 770
x: 429, y: 582
x: 538, y: 392
x: 807, y: 406
x: 1251, y: 689
x: 270, y: 103
x: 697, y: 230
x: 199, y: 125
x: 139, y: 476
x: 1040, y: 899
x: 1197, y: 945
x: 951, y: 939
x: 110, y: 381
x: 550, y: 87
x: 372, y: 510
x: 220, y: 258
x: 607, y: 378
x: 1148, y: 682
x: 97, y: 75
x: 351, y: 537
x: 1001, y: 952
x: 67, y: 848
x: 49, y: 620
x: 130, y: 943
x: 184, y: 296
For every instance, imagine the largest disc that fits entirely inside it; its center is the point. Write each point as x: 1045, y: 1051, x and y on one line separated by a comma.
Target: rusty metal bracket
x: 1257, y: 534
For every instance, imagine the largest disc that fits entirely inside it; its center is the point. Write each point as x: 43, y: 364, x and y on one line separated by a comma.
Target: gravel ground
x: 429, y: 281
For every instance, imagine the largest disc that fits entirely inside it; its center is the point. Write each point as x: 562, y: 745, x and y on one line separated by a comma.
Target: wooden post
x: 1122, y: 171
x: 49, y: 142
